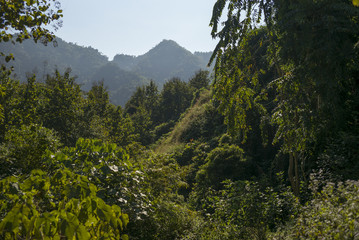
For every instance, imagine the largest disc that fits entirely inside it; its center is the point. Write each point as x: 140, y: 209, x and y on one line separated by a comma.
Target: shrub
x: 332, y: 214
x: 225, y: 162
x: 23, y: 149
x: 244, y: 210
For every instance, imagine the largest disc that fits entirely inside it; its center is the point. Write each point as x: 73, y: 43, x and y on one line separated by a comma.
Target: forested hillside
x: 267, y: 147
x: 40, y: 59
x: 164, y: 61
x: 121, y: 76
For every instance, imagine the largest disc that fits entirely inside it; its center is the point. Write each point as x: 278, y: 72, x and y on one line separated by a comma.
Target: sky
x: 133, y: 27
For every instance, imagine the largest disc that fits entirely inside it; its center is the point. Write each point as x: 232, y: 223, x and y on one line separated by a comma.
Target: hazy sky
x: 135, y: 26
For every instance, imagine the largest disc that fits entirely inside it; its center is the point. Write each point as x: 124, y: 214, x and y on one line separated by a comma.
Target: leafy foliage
x: 299, y: 56
x: 200, y: 80
x: 119, y: 181
x: 63, y: 106
x: 288, y: 92
x: 121, y: 76
x: 332, y: 213
x: 27, y: 19
x: 176, y: 97
x: 225, y: 162
x: 23, y: 149
x: 63, y: 205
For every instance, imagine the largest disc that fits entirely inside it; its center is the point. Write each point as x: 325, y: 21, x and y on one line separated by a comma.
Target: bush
x: 225, y: 162
x: 244, y: 210
x: 109, y: 167
x: 23, y: 149
x: 332, y: 214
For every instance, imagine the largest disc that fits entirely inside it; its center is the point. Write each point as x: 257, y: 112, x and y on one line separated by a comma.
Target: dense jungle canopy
x: 265, y: 147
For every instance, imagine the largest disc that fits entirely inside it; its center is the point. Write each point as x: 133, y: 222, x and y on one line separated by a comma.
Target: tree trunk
x: 294, y: 180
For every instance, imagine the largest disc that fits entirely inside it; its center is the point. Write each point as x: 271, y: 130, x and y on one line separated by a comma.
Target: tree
x: 24, y: 147
x: 121, y: 127
x: 152, y: 101
x: 175, y: 98
x: 225, y: 162
x: 142, y: 126
x: 28, y: 19
x: 9, y: 100
x: 143, y: 110
x: 146, y: 96
x: 319, y: 74
x: 63, y: 110
x: 119, y: 178
x: 137, y: 99
x: 30, y: 101
x: 199, y: 80
x: 312, y: 50
x: 331, y: 214
x: 98, y: 98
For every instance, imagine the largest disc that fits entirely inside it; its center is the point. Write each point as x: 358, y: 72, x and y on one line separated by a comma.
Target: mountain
x: 204, y: 57
x: 120, y: 83
x: 42, y: 60
x: 164, y: 61
x: 121, y: 75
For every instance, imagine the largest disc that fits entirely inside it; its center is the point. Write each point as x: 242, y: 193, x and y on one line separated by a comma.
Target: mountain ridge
x: 172, y: 60
x: 124, y: 73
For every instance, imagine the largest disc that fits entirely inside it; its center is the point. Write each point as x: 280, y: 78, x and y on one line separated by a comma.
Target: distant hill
x: 120, y: 83
x: 31, y: 57
x: 121, y: 76
x: 204, y: 57
x: 164, y: 61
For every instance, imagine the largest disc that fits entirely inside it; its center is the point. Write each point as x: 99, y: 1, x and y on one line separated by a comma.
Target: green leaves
x: 79, y: 216
x: 24, y: 147
x: 109, y: 168
x: 9, y: 57
x: 331, y: 214
x: 240, y: 74
x: 305, y: 60
x: 27, y: 19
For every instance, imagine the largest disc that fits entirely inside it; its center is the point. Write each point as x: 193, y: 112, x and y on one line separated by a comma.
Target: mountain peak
x: 168, y: 42
x: 168, y: 45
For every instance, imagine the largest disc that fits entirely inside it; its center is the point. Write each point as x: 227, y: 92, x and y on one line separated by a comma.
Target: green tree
x: 28, y: 19
x: 137, y: 99
x: 225, y: 162
x: 9, y: 101
x: 143, y: 109
x: 98, y: 99
x: 24, y: 147
x: 175, y: 98
x: 96, y: 113
x: 146, y: 96
x: 63, y: 110
x: 331, y: 214
x: 31, y: 96
x: 122, y: 131
x: 316, y: 89
x: 143, y: 125
x: 152, y: 101
x: 200, y: 80
x: 312, y: 50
